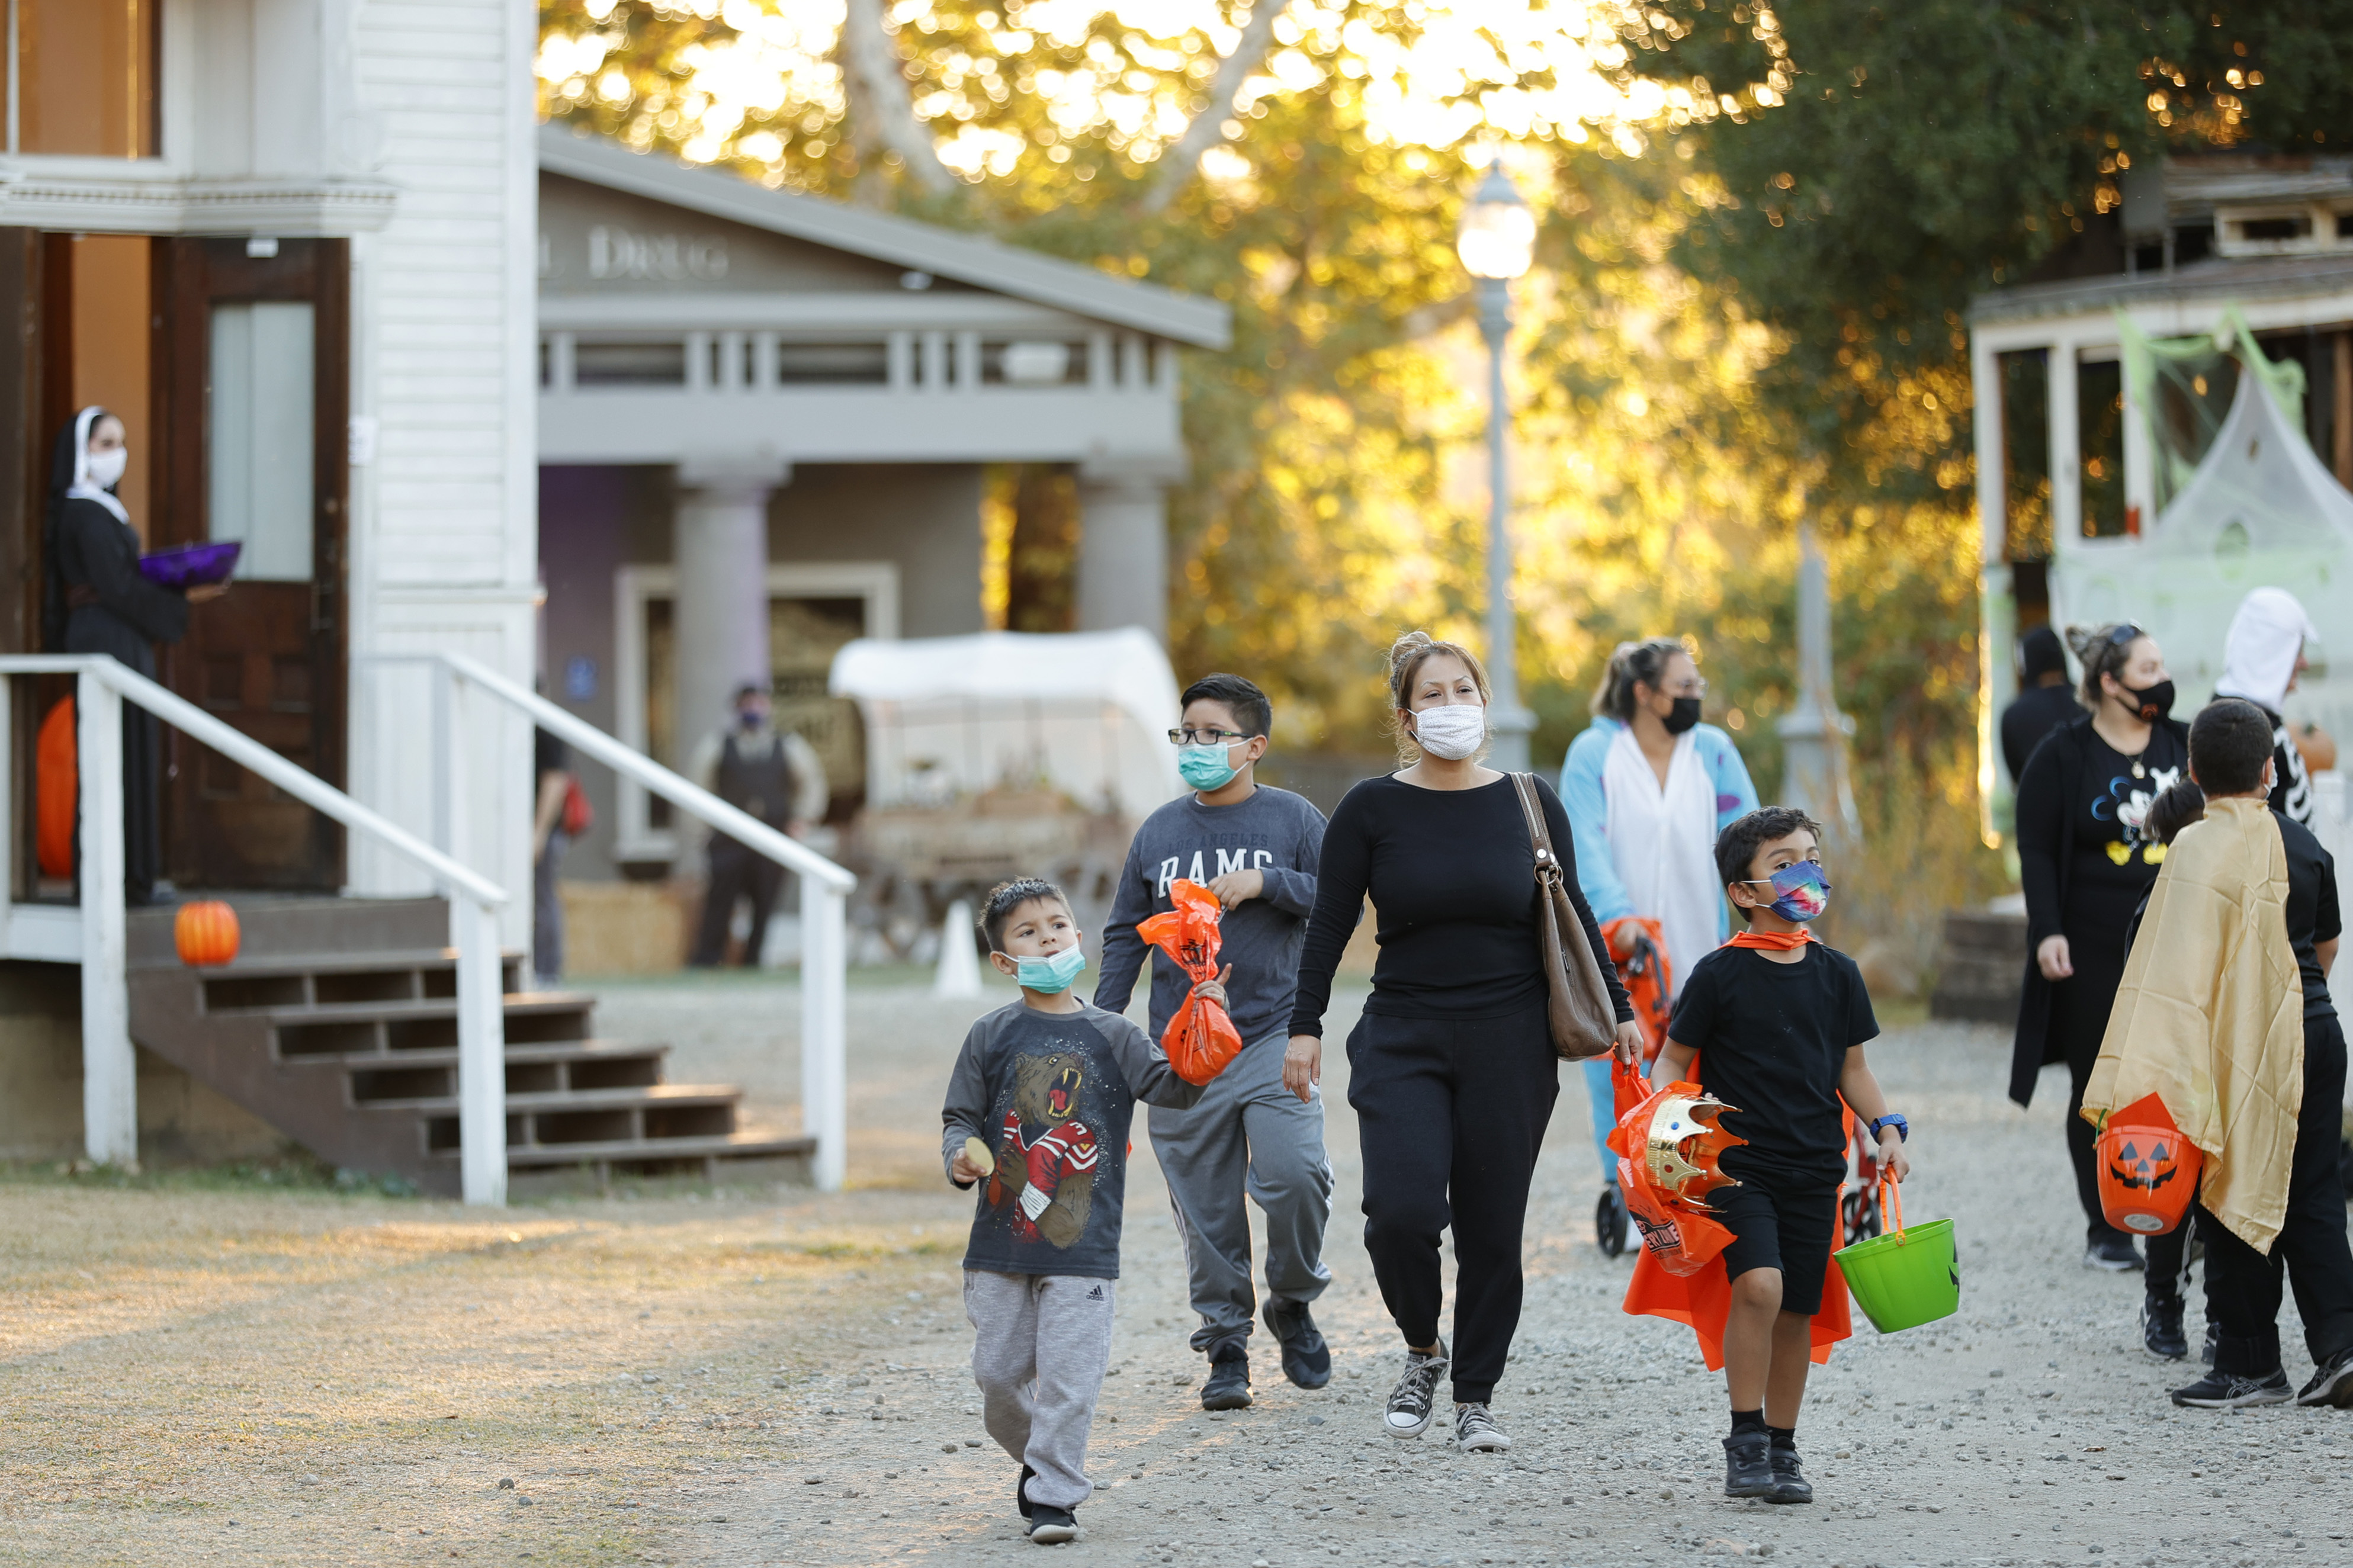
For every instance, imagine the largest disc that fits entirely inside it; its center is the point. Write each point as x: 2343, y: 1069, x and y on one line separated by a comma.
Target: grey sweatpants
x: 1040, y: 1345
x: 1247, y: 1135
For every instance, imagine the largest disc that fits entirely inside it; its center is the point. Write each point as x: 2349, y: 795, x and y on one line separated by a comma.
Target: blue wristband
x: 1903, y: 1128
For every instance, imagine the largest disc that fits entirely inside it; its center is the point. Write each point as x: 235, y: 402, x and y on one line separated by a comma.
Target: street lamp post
x: 1496, y: 242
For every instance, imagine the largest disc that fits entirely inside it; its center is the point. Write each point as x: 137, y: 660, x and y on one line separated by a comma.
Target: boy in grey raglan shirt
x: 1043, y: 1091
x: 1256, y: 847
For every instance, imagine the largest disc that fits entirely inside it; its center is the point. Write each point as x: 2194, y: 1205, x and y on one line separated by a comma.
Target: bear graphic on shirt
x: 1045, y: 1155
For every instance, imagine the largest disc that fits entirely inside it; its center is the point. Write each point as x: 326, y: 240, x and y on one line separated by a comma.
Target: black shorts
x: 1788, y: 1223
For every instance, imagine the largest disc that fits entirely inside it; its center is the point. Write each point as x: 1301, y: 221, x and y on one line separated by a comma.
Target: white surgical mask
x: 1452, y: 732
x: 106, y: 467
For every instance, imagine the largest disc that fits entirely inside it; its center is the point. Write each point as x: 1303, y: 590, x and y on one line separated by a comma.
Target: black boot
x: 2160, y: 1327
x: 1747, y: 1465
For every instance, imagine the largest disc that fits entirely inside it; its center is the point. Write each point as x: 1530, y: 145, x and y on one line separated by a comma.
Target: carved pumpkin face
x: 2146, y: 1163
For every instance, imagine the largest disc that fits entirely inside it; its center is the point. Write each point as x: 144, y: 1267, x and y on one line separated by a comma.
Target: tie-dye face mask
x: 1800, y: 892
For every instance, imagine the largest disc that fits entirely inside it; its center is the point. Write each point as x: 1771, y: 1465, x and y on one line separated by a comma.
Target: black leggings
x: 2242, y: 1286
x: 1451, y: 1115
x: 2079, y: 1018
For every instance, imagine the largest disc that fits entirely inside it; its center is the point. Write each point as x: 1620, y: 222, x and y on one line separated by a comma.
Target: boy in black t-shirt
x: 1777, y: 1022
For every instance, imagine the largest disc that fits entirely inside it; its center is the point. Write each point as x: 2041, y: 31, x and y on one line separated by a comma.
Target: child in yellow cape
x: 2224, y: 1014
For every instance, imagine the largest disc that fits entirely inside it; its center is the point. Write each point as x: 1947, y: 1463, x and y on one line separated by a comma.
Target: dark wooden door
x: 252, y: 409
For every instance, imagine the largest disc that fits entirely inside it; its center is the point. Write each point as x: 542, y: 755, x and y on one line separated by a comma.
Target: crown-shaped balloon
x: 1684, y: 1145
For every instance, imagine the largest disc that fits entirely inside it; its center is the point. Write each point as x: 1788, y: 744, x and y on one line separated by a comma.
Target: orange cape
x: 1703, y: 1302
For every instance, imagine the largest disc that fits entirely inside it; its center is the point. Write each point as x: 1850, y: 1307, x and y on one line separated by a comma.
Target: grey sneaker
x: 1475, y: 1431
x: 1414, y: 1398
x: 2229, y: 1390
x: 2332, y: 1383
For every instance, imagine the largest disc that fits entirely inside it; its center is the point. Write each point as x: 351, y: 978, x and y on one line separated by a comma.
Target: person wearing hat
x: 772, y: 776
x: 2044, y: 703
x: 2263, y: 654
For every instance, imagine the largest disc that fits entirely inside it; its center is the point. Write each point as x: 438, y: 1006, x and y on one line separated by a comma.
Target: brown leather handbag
x: 1583, y: 1020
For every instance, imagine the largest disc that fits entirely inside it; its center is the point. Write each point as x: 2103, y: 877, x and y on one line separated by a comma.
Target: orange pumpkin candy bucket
x: 2148, y: 1171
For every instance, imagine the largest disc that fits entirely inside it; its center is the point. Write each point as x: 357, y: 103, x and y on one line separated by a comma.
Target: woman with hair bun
x: 2085, y: 857
x: 1647, y: 788
x: 1451, y: 1070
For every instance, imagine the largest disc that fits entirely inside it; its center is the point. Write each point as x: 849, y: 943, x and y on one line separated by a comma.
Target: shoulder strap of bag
x: 1539, y: 835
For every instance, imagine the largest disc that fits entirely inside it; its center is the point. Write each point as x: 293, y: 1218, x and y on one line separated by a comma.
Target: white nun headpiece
x: 83, y: 488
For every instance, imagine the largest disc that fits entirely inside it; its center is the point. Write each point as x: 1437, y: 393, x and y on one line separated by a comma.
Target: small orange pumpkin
x: 55, y: 792
x: 205, y: 933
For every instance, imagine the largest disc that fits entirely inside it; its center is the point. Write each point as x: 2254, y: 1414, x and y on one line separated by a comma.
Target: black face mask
x: 1682, y: 716
x: 2150, y: 703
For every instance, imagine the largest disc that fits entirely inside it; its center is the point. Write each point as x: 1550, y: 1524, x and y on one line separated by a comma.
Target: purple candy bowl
x: 191, y: 564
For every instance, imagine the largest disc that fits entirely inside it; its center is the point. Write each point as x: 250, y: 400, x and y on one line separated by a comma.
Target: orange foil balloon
x: 2148, y: 1171
x: 1202, y: 1038
x: 1671, y: 1147
x: 205, y: 933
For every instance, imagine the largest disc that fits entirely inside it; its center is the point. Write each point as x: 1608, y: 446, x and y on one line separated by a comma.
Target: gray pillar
x: 719, y: 618
x: 1122, y: 553
x: 1814, y: 733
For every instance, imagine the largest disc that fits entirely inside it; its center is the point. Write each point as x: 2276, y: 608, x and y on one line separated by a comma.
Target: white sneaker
x: 1475, y: 1431
x: 1414, y: 1399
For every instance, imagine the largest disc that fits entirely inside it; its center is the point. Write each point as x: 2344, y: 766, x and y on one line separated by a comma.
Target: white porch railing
x: 96, y: 941
x: 824, y: 886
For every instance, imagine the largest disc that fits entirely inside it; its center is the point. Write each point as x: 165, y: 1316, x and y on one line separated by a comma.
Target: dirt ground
x: 196, y: 1370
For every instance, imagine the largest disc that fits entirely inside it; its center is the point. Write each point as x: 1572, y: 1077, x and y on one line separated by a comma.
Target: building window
x: 2100, y: 442
x: 81, y: 77
x: 2026, y: 454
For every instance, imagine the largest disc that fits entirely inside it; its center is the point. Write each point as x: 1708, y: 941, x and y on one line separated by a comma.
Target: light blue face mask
x: 1051, y: 973
x: 1206, y: 767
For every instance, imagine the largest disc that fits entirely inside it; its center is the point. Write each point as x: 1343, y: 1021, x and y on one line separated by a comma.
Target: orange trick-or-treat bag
x: 1200, y: 1040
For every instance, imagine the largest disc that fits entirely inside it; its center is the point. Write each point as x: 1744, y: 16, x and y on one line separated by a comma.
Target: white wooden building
x: 2104, y: 490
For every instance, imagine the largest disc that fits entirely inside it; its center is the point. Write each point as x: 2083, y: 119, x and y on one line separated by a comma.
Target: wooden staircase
x: 338, y: 1026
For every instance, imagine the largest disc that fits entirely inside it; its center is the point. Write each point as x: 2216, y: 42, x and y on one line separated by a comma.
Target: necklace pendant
x: 2139, y: 772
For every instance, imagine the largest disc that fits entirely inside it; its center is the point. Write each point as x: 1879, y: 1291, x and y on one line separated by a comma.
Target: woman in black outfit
x: 2086, y: 857
x: 1451, y: 1069
x: 94, y: 601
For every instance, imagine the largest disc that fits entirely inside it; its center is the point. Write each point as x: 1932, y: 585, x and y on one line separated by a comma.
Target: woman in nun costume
x: 95, y: 601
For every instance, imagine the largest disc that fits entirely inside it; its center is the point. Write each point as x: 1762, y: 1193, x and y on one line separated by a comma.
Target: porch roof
x: 898, y: 241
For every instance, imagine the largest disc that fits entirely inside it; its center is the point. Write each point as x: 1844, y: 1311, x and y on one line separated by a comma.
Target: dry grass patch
x: 317, y: 1378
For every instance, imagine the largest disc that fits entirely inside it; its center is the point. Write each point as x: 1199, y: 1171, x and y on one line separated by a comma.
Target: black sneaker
x: 1228, y: 1384
x: 1021, y: 1492
x: 1790, y: 1483
x: 2116, y: 1253
x: 1610, y: 1220
x: 1748, y: 1464
x: 2332, y: 1383
x: 1307, y: 1359
x: 1051, y: 1526
x: 2229, y: 1390
x: 2160, y: 1327
x: 1415, y: 1396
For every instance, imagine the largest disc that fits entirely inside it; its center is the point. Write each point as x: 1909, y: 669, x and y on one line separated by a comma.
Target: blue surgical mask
x: 1206, y: 767
x: 1802, y: 893
x: 1051, y: 973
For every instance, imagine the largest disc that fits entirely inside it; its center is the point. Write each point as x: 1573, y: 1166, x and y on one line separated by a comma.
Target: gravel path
x: 242, y: 1375
x: 2029, y: 1428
